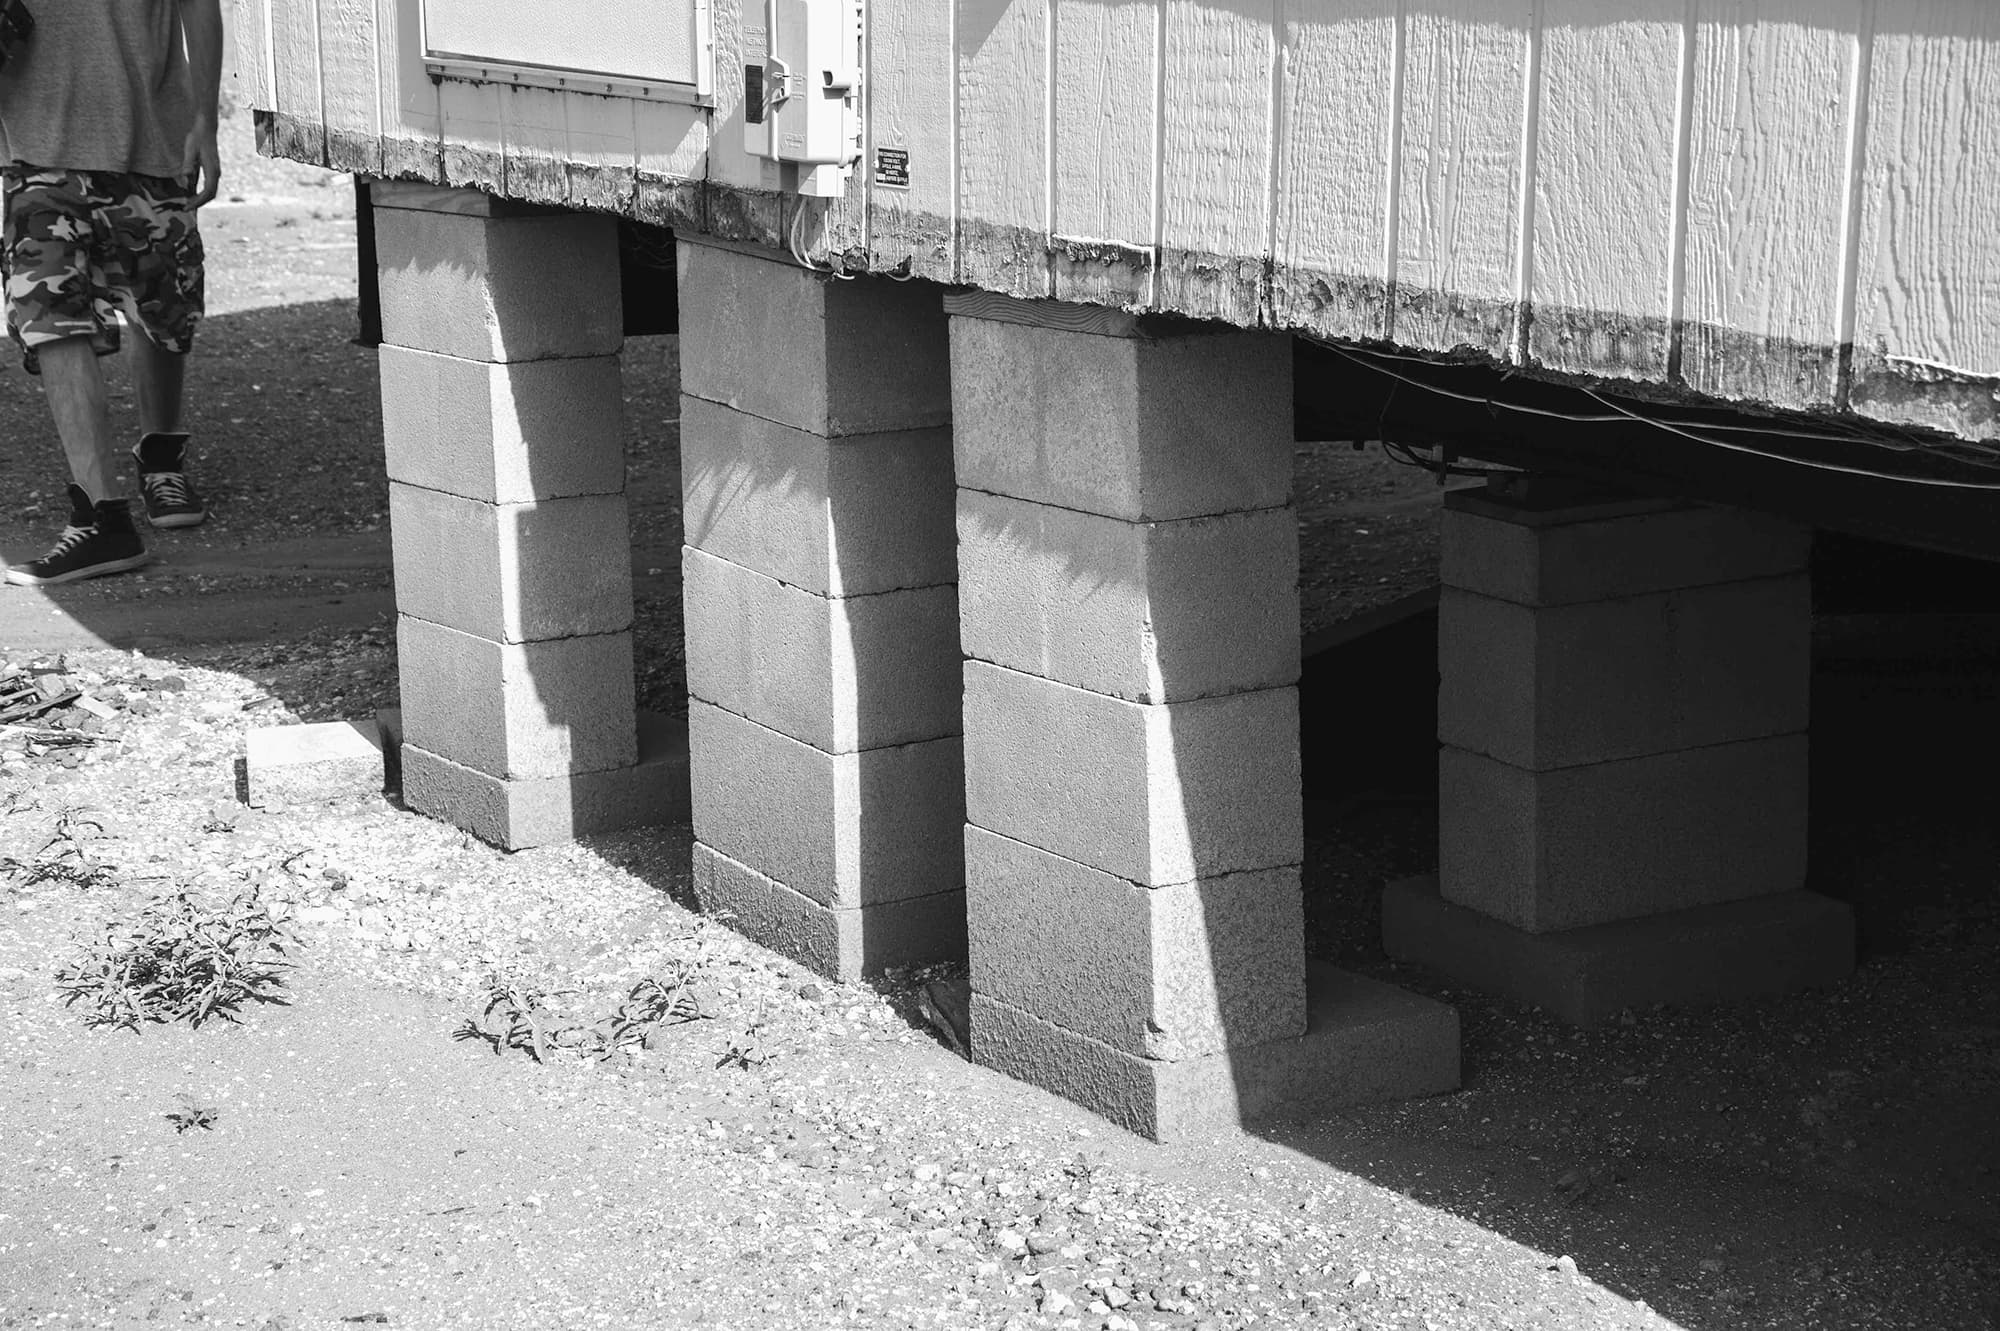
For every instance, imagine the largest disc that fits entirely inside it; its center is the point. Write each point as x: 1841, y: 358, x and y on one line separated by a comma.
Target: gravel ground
x: 841, y: 1168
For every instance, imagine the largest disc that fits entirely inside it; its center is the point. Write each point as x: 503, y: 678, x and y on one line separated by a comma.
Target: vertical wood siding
x: 1784, y: 201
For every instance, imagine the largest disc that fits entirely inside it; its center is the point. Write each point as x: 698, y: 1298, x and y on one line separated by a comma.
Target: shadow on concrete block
x: 517, y: 814
x: 1364, y: 1041
x: 841, y: 943
x: 1738, y: 949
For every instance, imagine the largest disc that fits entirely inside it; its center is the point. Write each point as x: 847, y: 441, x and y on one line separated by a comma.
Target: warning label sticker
x: 892, y: 167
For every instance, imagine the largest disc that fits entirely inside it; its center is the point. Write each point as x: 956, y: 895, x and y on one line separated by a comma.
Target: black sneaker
x: 170, y: 500
x: 99, y: 540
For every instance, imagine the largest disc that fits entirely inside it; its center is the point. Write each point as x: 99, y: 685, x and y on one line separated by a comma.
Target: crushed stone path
x: 365, y: 1167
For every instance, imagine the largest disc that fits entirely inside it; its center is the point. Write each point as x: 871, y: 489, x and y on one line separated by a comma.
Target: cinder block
x: 847, y: 829
x: 1546, y: 851
x: 518, y: 814
x: 504, y: 433
x: 842, y: 944
x: 1154, y: 793
x: 1136, y: 428
x: 838, y: 673
x: 1602, y: 680
x: 763, y: 335
x: 1162, y: 972
x: 499, y: 288
x: 560, y: 568
x: 311, y: 764
x: 1149, y: 611
x: 1737, y: 949
x: 846, y: 517
x: 1364, y: 1041
x: 1561, y: 557
x: 530, y: 709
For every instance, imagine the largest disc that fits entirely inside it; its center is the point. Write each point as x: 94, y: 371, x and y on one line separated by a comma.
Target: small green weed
x: 519, y: 1017
x: 522, y: 1018
x: 67, y: 856
x: 192, y: 1115
x: 179, y: 959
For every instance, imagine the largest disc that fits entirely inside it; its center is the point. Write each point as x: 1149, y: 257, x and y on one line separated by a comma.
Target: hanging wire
x: 1698, y: 432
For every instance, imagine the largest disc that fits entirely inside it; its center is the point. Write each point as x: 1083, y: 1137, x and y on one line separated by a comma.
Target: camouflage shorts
x: 80, y: 248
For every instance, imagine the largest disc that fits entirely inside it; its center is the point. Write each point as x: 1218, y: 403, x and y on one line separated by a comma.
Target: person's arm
x: 201, y: 22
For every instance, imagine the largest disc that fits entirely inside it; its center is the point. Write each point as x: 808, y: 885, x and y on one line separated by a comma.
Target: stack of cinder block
x: 1129, y: 591
x: 1622, y: 783
x: 504, y: 430
x: 822, y: 611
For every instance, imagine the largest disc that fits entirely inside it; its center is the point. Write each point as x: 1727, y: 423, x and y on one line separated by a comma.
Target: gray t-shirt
x: 101, y: 85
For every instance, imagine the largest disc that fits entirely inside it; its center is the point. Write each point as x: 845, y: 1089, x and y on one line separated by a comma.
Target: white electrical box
x: 802, y: 91
x: 662, y: 50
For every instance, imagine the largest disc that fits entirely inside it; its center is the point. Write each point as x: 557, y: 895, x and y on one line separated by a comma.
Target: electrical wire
x: 795, y: 242
x: 1622, y: 415
x: 1370, y: 354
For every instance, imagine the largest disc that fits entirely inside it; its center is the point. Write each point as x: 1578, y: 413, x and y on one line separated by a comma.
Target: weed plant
x: 179, y: 959
x: 524, y: 1019
x: 67, y: 856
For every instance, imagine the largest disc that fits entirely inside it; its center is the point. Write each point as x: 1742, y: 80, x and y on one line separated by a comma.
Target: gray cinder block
x: 848, y: 516
x: 1128, y: 427
x: 1154, y: 793
x: 1542, y: 557
x: 1563, y: 686
x: 1149, y: 611
x: 520, y: 813
x: 841, y: 943
x: 512, y: 573
x: 1545, y: 851
x: 839, y: 673
x: 1364, y: 1041
x: 499, y: 288
x: 506, y: 433
x: 1168, y: 972
x: 762, y: 335
x: 532, y: 709
x: 1729, y: 950
x: 846, y: 829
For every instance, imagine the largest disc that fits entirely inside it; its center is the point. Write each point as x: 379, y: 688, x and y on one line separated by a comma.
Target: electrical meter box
x: 802, y: 89
x: 658, y: 49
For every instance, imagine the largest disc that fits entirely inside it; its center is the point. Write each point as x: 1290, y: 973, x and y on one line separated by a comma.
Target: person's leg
x: 162, y: 298
x: 157, y: 379
x: 73, y: 383
x: 99, y: 537
x: 58, y: 318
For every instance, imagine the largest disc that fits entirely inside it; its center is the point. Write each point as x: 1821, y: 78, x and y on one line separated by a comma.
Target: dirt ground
x: 1820, y: 1161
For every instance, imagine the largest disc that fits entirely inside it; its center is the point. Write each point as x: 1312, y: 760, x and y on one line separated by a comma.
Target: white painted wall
x: 1785, y: 201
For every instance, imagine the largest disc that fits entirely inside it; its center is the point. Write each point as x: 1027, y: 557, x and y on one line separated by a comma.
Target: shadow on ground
x: 1818, y: 1160
x: 290, y: 581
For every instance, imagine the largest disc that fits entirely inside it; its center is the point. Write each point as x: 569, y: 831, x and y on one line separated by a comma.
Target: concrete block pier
x: 503, y: 428
x: 1622, y: 776
x: 820, y: 588
x: 1128, y: 566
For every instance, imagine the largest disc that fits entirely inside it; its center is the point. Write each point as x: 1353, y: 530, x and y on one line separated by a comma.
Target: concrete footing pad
x: 521, y: 813
x: 1364, y: 1041
x: 311, y: 764
x: 1760, y: 945
x: 841, y: 943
